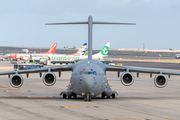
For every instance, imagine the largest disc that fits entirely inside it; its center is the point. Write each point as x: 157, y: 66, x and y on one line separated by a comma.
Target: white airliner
x: 24, y: 51
x: 177, y: 56
x: 79, y: 53
x: 88, y: 76
x: 21, y: 55
x: 103, y: 53
x: 55, y: 58
x: 52, y: 50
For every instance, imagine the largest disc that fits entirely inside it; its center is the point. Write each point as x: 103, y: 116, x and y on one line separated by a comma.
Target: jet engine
x: 49, y: 78
x: 16, y: 80
x: 127, y: 78
x: 160, y: 80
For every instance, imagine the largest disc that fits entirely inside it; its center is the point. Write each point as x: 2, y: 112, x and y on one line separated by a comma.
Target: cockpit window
x: 88, y: 72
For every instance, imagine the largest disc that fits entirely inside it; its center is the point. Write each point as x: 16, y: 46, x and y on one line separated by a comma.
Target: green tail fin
x: 86, y: 54
x: 105, y: 50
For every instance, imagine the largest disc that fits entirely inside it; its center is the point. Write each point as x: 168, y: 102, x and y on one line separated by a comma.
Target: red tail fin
x: 52, y: 50
x: 12, y: 55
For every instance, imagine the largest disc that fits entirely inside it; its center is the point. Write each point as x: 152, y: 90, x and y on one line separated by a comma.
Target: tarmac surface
x: 151, y: 64
x: 142, y: 100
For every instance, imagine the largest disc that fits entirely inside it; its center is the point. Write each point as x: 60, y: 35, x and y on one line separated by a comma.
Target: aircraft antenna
x: 90, y: 23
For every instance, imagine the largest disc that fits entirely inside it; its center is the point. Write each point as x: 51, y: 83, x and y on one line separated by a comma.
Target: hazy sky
x: 158, y: 23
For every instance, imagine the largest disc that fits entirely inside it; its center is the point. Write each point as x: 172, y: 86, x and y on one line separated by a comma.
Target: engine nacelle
x: 49, y: 78
x: 127, y: 78
x: 16, y: 80
x: 160, y: 80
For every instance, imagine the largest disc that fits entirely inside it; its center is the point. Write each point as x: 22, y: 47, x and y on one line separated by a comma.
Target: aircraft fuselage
x: 88, y: 77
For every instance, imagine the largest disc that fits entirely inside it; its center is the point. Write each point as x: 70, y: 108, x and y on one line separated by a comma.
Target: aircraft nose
x: 88, y: 83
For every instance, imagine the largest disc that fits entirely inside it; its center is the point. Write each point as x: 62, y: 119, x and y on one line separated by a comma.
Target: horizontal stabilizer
x: 66, y: 23
x: 95, y: 22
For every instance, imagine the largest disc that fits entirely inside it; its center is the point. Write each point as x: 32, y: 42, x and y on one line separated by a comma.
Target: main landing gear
x: 74, y: 96
x: 64, y: 95
x: 112, y: 95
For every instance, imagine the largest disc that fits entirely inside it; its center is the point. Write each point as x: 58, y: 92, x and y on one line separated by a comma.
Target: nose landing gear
x: 87, y: 98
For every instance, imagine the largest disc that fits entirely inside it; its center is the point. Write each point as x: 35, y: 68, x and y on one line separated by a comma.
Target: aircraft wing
x: 139, y: 70
x: 38, y: 70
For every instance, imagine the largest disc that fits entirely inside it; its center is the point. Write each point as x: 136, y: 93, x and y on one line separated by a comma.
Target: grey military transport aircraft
x: 88, y: 77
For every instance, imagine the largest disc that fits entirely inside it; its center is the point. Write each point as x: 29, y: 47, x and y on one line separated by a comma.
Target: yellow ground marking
x: 8, y: 88
x: 16, y: 90
x: 33, y: 84
x: 2, y: 86
x: 79, y: 107
x: 40, y: 97
x: 133, y: 110
x: 119, y: 64
x: 127, y: 119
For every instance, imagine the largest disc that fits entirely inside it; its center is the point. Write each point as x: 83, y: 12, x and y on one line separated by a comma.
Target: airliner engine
x: 49, y: 78
x: 127, y: 78
x: 160, y: 80
x: 16, y: 80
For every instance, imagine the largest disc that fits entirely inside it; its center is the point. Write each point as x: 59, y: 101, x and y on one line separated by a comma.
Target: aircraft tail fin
x: 86, y: 53
x: 52, y: 50
x: 81, y: 50
x: 103, y: 52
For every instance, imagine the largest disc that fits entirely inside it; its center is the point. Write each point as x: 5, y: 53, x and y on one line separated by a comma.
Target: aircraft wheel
x: 75, y: 96
x: 64, y: 95
x: 89, y: 98
x: 85, y: 98
x: 69, y: 97
x: 108, y: 96
x: 102, y: 95
x: 113, y: 95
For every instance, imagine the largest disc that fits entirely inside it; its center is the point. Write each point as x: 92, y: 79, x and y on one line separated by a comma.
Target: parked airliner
x: 55, y: 58
x: 79, y: 53
x: 21, y: 55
